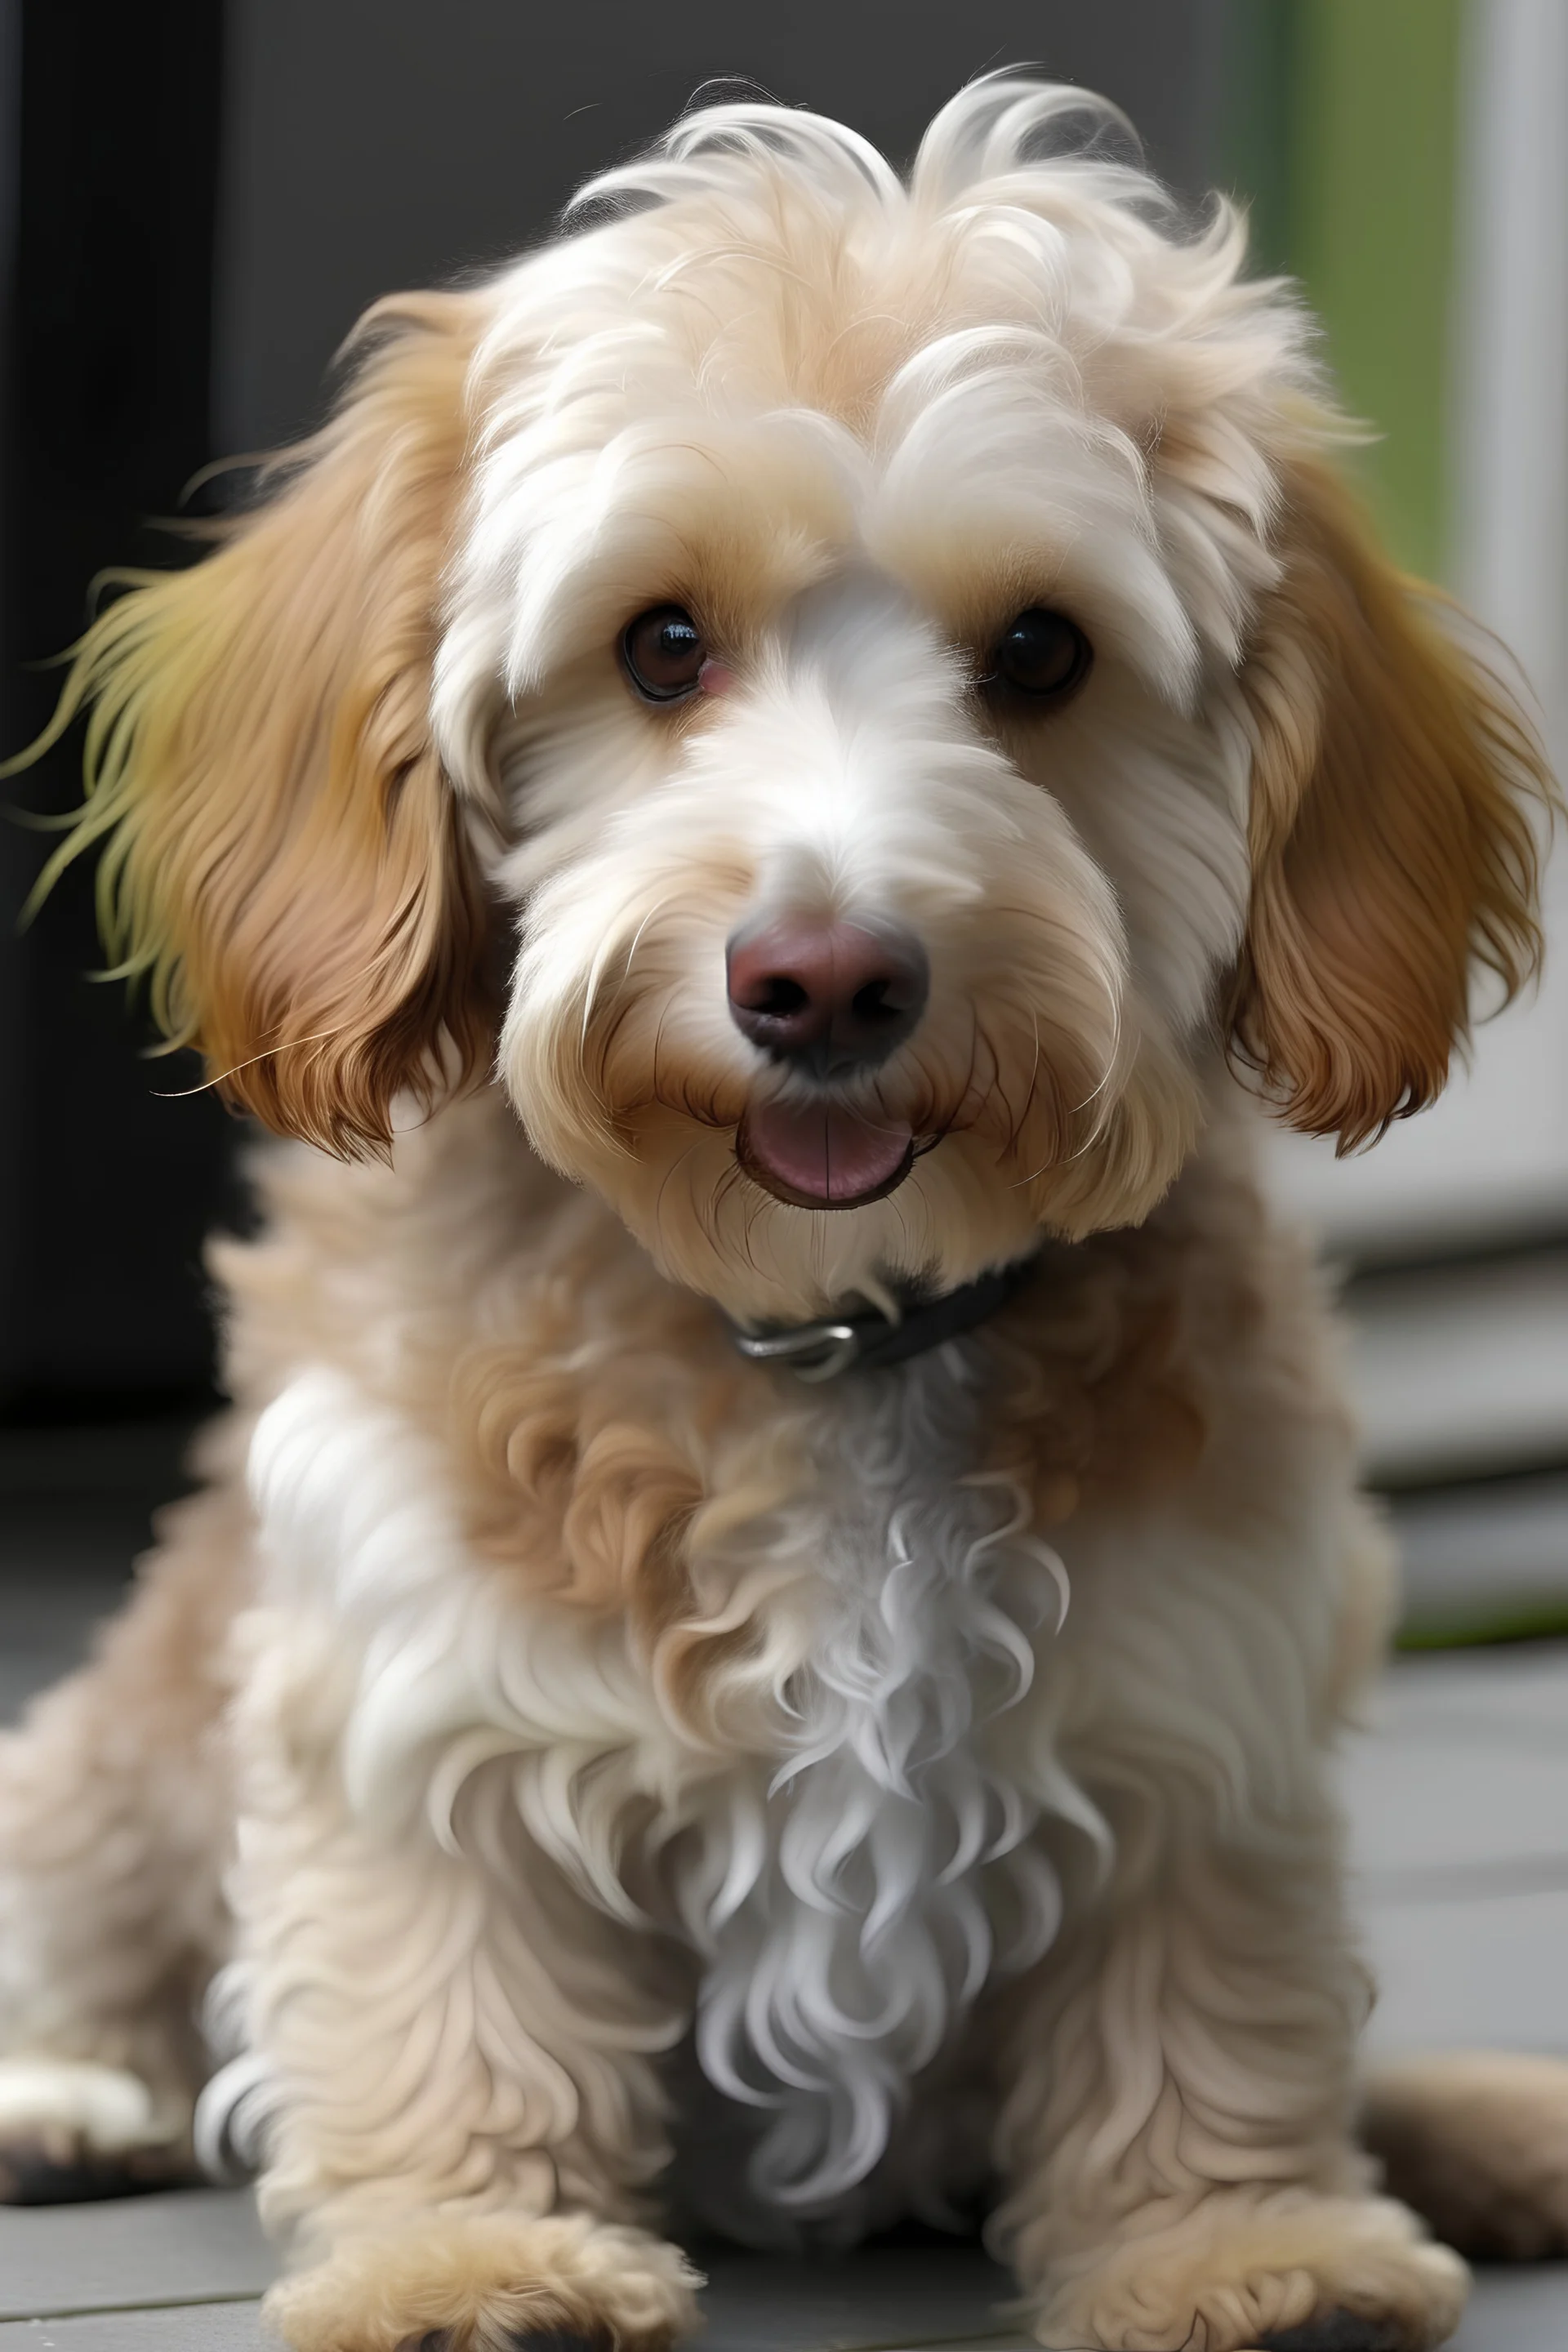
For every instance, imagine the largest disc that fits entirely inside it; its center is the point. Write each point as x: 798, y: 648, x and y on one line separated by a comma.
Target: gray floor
x: 1459, y: 1790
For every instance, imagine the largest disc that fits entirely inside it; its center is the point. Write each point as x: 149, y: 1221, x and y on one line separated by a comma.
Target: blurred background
x: 196, y: 198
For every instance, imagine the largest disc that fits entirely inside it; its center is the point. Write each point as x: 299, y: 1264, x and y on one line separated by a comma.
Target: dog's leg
x: 1177, y: 2140
x: 114, y: 1822
x: 454, y: 2009
x: 1477, y: 2141
x: 465, y: 2111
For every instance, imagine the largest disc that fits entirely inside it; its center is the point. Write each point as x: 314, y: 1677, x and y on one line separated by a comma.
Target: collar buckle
x: 872, y: 1340
x: 812, y: 1351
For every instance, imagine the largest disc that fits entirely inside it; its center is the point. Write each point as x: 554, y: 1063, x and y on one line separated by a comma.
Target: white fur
x: 69, y: 2106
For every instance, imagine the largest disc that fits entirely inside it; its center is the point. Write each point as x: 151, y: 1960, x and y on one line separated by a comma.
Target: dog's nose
x: 829, y: 997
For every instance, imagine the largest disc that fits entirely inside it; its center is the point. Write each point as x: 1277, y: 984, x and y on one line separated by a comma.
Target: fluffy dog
x: 750, y: 794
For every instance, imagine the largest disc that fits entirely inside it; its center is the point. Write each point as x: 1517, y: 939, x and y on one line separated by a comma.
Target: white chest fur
x: 857, y: 1865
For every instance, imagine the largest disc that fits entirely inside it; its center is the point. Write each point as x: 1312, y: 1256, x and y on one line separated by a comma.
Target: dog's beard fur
x: 851, y: 778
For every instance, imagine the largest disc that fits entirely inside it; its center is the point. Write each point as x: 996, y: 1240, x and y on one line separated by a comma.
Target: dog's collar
x: 869, y: 1340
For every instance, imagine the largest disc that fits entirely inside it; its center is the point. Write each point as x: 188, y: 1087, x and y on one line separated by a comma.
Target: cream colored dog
x: 891, y: 671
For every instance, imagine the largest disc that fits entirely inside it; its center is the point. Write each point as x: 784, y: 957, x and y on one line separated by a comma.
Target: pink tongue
x: 821, y: 1155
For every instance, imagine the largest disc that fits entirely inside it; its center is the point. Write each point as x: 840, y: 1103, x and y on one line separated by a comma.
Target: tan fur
x: 1478, y: 2143
x: 486, y: 2286
x: 1249, y: 2266
x: 1392, y: 842
x: 285, y: 861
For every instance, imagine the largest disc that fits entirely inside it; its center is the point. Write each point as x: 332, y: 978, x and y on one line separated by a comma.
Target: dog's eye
x: 664, y: 654
x: 1042, y: 655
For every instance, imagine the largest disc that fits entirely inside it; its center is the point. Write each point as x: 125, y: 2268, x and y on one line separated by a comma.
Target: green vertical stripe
x: 1256, y: 123
x: 1351, y: 153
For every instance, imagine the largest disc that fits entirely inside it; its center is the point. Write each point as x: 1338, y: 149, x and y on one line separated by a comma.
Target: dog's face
x: 877, y: 858
x: 880, y: 850
x: 899, y: 658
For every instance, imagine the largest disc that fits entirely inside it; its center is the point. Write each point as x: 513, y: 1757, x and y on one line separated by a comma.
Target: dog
x: 772, y: 804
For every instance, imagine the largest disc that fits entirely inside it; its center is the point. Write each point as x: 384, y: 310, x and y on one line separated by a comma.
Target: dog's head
x: 900, y: 659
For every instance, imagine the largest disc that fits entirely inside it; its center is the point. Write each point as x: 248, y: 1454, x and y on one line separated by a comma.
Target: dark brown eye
x: 1042, y: 655
x: 664, y: 654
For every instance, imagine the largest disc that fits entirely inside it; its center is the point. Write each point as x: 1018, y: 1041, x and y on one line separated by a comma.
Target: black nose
x: 829, y: 998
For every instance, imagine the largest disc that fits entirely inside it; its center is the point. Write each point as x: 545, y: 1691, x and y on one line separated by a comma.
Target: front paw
x: 489, y: 2282
x: 1283, y: 2272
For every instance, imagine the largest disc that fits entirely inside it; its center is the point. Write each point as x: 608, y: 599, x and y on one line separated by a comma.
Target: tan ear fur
x: 1393, y: 846
x: 283, y: 857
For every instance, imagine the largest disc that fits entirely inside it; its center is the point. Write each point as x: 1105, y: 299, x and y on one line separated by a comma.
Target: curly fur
x: 642, y: 1785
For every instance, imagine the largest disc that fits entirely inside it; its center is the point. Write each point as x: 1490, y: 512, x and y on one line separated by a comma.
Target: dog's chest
x: 847, y: 1850
x: 852, y: 1890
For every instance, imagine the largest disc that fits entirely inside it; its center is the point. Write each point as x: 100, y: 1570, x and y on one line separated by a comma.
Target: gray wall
x: 377, y: 143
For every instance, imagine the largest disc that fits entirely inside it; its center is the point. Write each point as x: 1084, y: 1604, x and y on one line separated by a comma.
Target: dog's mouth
x: 823, y: 1155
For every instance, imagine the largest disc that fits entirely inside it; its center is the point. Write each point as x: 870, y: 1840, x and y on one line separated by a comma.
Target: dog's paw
x: 491, y: 2282
x: 1478, y: 2143
x: 70, y: 2129
x: 1281, y: 2273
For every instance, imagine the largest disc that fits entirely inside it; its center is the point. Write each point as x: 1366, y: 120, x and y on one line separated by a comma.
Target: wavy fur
x: 657, y: 1787
x: 282, y: 860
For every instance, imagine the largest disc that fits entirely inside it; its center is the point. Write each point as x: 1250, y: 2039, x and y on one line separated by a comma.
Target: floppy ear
x: 283, y: 856
x: 1392, y: 840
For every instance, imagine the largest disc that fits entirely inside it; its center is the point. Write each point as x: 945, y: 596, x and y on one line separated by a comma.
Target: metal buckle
x: 820, y: 1351
x: 812, y: 1351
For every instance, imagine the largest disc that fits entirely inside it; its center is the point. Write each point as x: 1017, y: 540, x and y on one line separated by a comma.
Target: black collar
x: 868, y: 1340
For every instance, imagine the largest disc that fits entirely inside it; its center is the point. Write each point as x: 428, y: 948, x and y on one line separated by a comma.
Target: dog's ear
x: 283, y: 857
x: 1393, y: 783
